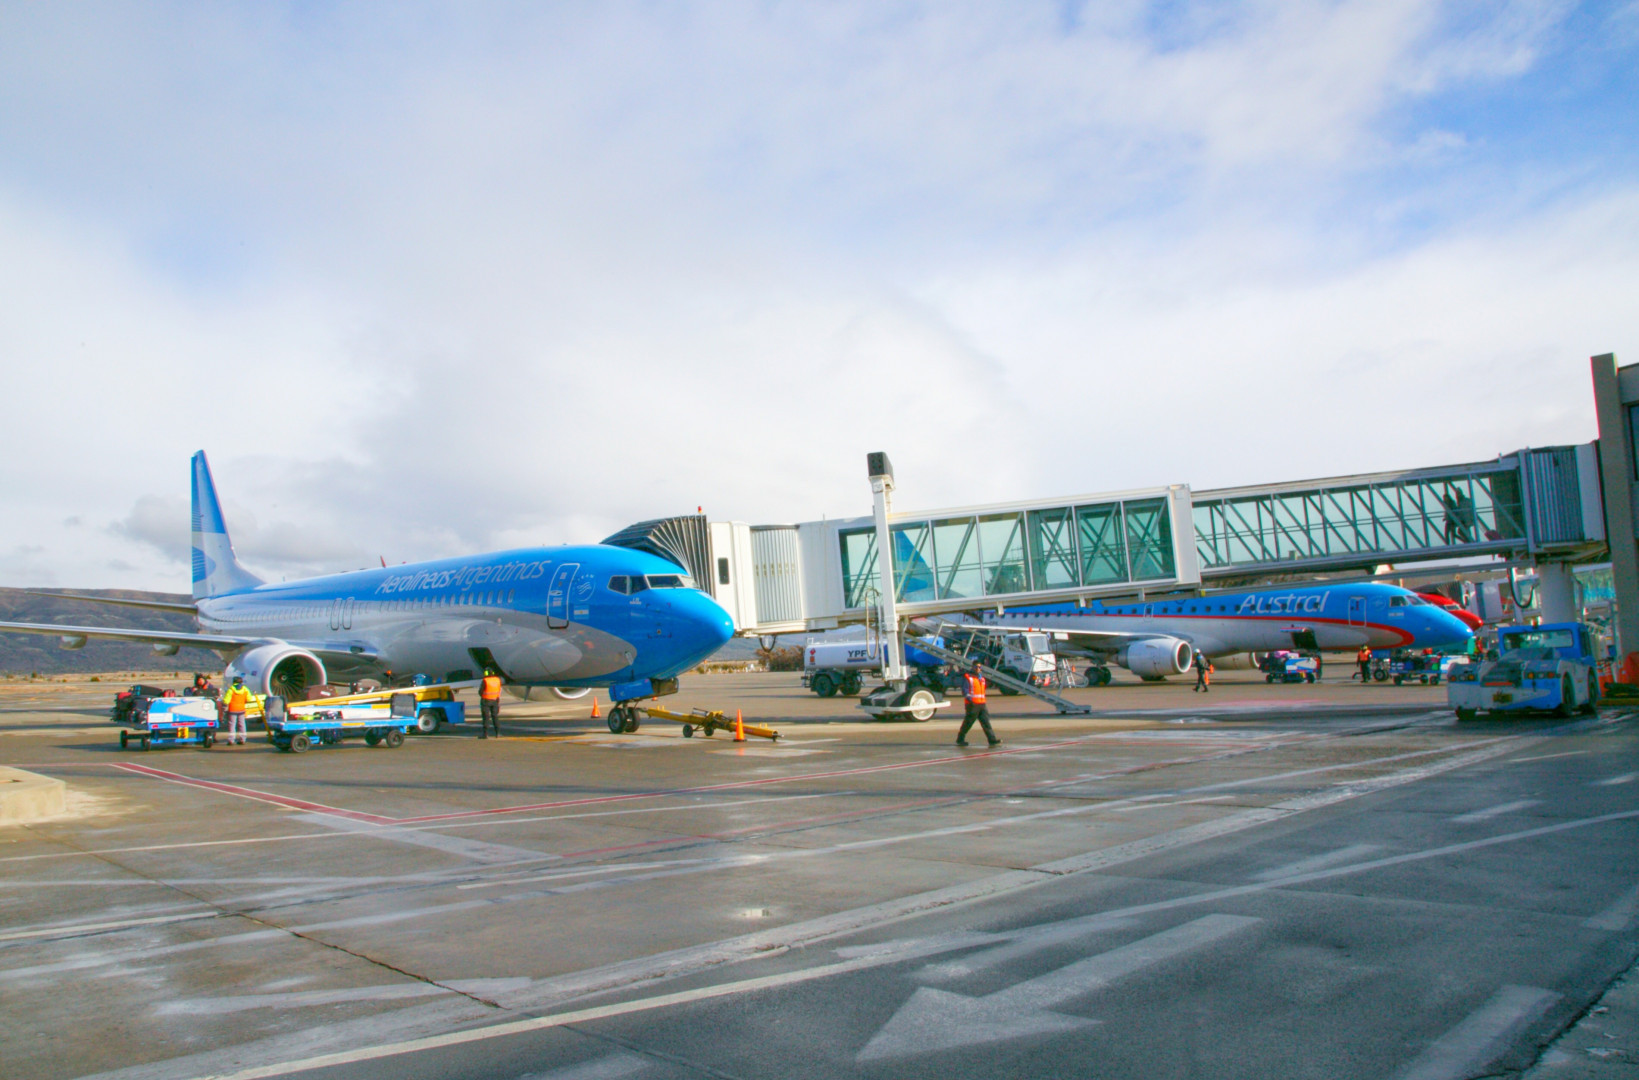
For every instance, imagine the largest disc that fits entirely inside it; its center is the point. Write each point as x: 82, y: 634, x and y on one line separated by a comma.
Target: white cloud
x: 478, y: 277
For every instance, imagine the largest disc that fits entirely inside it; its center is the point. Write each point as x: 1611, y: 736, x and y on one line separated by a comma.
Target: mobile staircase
x: 962, y: 659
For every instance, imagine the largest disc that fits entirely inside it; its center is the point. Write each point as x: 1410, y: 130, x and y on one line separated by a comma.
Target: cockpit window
x: 618, y: 584
x: 1406, y: 601
x: 670, y: 581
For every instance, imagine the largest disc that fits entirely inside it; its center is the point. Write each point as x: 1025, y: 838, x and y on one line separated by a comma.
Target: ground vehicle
x: 1288, y: 667
x: 1427, y: 668
x: 173, y: 721
x: 1552, y: 666
x: 298, y: 727
x: 832, y: 666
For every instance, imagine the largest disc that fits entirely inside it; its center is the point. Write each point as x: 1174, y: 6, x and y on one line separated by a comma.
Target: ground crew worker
x: 235, y: 702
x: 1364, y: 659
x: 973, y: 694
x: 202, y: 686
x: 489, y: 704
x: 1203, y: 670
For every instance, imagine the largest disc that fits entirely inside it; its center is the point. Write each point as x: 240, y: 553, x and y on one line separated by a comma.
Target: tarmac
x: 1328, y: 880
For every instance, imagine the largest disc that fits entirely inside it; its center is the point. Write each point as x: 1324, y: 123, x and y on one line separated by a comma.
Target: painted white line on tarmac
x: 612, y: 1067
x: 1318, y: 862
x: 581, y: 1016
x: 1625, y: 778
x: 300, y: 999
x: 1619, y: 914
x: 169, y: 847
x: 1550, y: 757
x: 76, y: 929
x: 1496, y: 811
x: 478, y: 851
x: 1474, y: 1042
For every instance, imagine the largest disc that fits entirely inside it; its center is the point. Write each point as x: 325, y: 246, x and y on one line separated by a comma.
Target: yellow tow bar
x: 708, y: 722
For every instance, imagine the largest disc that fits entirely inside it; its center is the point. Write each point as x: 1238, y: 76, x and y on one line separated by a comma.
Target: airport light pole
x: 881, y: 473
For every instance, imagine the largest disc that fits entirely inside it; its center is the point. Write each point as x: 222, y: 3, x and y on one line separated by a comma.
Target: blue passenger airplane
x: 566, y: 617
x: 1159, y: 638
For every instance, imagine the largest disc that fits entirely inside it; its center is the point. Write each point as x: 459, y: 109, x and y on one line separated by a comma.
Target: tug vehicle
x: 1552, y: 667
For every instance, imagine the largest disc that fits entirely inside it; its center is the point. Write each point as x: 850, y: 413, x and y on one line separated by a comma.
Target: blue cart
x: 297, y: 728
x: 174, y: 721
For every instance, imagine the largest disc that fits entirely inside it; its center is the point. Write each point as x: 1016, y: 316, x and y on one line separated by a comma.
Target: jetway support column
x: 1556, y: 593
x: 893, y: 664
x: 1617, y: 488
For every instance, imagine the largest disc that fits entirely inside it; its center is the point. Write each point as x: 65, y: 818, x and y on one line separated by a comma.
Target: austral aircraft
x: 568, y: 618
x: 1155, y: 639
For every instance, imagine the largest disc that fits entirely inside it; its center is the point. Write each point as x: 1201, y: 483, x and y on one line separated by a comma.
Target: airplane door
x: 1357, y: 611
x: 347, y: 614
x: 335, y: 614
x: 557, y: 596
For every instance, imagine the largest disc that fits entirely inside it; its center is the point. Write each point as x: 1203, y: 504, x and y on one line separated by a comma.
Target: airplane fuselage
x: 1335, y: 617
x: 546, y: 616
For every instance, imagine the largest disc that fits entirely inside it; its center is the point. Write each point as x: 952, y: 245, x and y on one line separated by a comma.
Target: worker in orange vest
x: 234, y: 703
x: 489, y: 704
x: 973, y: 694
x: 1364, y: 659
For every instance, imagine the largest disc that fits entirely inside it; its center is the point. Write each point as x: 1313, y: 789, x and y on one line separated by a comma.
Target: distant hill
x: 21, y: 654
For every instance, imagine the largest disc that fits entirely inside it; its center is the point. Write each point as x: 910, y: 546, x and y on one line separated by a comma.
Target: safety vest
x: 238, y: 697
x: 490, y: 689
x: 1364, y: 656
x: 974, y: 692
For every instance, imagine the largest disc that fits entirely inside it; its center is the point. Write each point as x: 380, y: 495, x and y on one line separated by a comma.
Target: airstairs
x: 1001, y: 678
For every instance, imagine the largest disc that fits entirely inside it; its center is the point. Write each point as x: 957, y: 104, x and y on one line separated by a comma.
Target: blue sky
x: 426, y: 279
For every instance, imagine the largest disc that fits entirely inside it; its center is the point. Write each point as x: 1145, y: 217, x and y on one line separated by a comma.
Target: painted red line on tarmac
x: 591, y: 800
x: 252, y: 793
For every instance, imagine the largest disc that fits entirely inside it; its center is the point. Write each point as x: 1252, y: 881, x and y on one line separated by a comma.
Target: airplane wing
x: 148, y: 637
x: 1093, y: 641
x: 221, y: 643
x: 151, y: 605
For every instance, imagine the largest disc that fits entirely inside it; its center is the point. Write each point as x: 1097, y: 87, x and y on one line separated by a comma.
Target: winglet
x: 216, y: 570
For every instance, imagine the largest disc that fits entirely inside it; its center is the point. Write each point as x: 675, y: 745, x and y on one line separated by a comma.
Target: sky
x: 427, y: 280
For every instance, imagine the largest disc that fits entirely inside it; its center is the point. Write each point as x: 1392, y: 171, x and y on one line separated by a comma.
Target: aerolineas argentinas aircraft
x: 562, y: 617
x: 1159, y: 638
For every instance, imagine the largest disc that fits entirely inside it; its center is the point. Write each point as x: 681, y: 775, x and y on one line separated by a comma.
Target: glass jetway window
x: 1008, y: 554
x: 1103, y: 548
x: 1052, y: 549
x: 1417, y: 514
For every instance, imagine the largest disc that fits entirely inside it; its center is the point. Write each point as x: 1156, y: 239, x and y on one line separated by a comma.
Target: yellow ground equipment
x: 708, y: 722
x: 430, y: 714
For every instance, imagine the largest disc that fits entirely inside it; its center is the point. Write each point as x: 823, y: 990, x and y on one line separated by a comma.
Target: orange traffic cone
x: 739, y: 727
x: 595, y: 712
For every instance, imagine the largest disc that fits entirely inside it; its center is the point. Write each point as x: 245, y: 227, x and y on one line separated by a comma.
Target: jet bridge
x: 1541, y: 504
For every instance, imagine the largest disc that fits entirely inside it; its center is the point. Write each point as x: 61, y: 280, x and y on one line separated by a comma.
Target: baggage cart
x: 297, y: 728
x: 173, y: 721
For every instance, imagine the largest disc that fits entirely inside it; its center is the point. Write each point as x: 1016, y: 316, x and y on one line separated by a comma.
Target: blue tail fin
x: 216, y: 571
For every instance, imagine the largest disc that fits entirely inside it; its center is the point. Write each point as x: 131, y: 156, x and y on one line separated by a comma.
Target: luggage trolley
x: 297, y: 728
x: 174, y: 721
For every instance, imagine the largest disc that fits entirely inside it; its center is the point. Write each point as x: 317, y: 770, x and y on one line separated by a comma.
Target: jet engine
x: 1156, y: 658
x: 279, y: 669
x: 539, y: 693
x: 1241, y: 661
